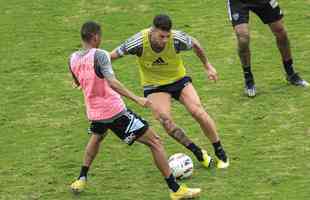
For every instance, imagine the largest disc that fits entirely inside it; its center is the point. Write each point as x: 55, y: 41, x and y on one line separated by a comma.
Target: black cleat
x: 250, y: 89
x: 296, y: 80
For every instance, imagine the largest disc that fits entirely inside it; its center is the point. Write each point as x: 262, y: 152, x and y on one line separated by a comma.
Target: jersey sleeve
x: 133, y: 46
x: 103, y: 65
x: 182, y: 41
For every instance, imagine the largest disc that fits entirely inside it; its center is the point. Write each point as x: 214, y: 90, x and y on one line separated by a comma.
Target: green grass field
x: 43, y: 123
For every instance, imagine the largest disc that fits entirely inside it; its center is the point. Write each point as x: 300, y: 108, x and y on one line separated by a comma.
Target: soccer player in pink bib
x: 92, y: 71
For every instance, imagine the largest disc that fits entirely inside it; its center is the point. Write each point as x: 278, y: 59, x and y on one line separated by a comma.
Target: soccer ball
x: 181, y: 165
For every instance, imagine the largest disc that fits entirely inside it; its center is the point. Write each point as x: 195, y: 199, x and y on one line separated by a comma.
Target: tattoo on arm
x: 199, y: 51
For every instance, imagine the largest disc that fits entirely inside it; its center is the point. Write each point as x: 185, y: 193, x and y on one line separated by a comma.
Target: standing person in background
x: 270, y: 13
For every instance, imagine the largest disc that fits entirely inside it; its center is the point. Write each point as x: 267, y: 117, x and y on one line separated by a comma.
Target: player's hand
x: 144, y: 102
x: 212, y: 73
x: 75, y: 86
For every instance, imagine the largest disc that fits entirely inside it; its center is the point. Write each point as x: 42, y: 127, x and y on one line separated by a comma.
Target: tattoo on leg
x: 179, y: 135
x: 167, y: 123
x: 175, y: 132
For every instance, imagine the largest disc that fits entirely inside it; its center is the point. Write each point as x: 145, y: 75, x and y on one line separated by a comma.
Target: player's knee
x: 198, y: 112
x: 166, y: 121
x: 96, y: 139
x: 243, y: 39
x: 280, y: 32
x: 100, y: 138
x: 156, y: 143
x: 243, y: 35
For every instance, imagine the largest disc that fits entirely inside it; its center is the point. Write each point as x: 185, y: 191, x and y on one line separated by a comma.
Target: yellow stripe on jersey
x: 159, y: 68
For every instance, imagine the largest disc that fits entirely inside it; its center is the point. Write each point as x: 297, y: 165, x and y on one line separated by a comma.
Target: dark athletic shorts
x: 268, y: 12
x: 174, y: 89
x: 128, y: 127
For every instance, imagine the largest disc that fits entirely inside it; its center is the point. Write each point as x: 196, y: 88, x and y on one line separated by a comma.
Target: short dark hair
x: 162, y: 22
x: 89, y: 29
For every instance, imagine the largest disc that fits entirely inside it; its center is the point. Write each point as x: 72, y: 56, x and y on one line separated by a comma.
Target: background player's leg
x: 283, y: 44
x: 243, y: 39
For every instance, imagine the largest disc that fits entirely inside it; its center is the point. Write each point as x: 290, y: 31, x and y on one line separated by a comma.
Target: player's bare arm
x: 75, y: 82
x: 200, y: 52
x: 114, y: 55
x: 122, y: 90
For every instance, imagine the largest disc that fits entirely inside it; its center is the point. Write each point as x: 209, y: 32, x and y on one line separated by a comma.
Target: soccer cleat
x: 78, y: 185
x: 296, y: 80
x: 221, y: 164
x: 250, y: 89
x: 207, y: 160
x: 185, y: 193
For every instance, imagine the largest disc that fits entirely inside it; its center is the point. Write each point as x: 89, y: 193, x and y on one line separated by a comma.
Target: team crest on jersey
x: 159, y: 61
x: 235, y: 16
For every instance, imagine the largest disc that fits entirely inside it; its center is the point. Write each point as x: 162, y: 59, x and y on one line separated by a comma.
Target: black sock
x: 196, y: 151
x: 219, y: 151
x: 172, y: 183
x: 248, y: 76
x: 288, y: 66
x: 84, y: 171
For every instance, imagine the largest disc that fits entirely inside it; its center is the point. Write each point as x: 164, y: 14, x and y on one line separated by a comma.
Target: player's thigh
x: 269, y: 12
x: 238, y: 12
x: 161, y: 104
x: 97, y: 138
x: 277, y: 27
x: 129, y: 126
x: 190, y: 99
x: 98, y: 131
